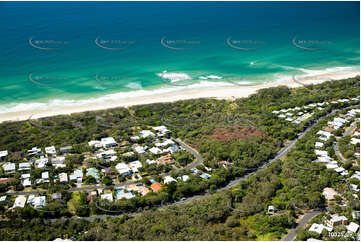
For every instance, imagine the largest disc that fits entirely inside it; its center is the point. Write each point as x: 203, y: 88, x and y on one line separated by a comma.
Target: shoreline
x: 229, y: 92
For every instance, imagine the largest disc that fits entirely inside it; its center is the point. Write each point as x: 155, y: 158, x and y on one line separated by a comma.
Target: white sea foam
x: 205, y: 83
x: 174, y: 77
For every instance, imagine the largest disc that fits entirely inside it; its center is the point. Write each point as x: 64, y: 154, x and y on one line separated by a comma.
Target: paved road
x: 335, y: 145
x: 284, y: 151
x: 307, y: 217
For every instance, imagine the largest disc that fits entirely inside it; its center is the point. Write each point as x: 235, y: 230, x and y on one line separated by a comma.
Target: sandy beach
x: 229, y: 92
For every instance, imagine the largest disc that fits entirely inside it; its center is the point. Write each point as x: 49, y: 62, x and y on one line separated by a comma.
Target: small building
x: 146, y: 133
x: 39, y: 201
x: 3, y: 154
x: 95, y: 143
x: 337, y: 220
x: 24, y: 166
x: 65, y: 149
x: 41, y: 163
x: 165, y: 159
x: 185, y: 178
x: 56, y: 196
x: 329, y: 193
x: 169, y: 179
x: 123, y: 169
x: 50, y: 150
x: 353, y: 227
x: 318, y: 228
x: 271, y: 210
x: 205, y: 175
x: 109, y: 172
x: 3, y: 198
x: 63, y: 177
x: 9, y: 168
x: 108, y: 142
x: 45, y: 176
x: 140, y: 149
x: 135, y: 165
x: 19, y: 201
x: 92, y: 195
x: 107, y: 196
x: 155, y: 150
x: 156, y: 187
x: 318, y: 145
x: 35, y: 151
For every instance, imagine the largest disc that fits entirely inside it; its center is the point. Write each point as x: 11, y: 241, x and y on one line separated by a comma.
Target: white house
x: 318, y: 145
x: 40, y: 163
x: 50, y: 150
x: 39, y: 201
x: 108, y: 142
x: 107, y: 196
x: 318, y: 228
x: 354, y: 141
x: 155, y: 150
x: 162, y: 130
x: 3, y: 154
x: 135, y: 165
x: 95, y: 143
x: 205, y: 176
x: 19, y: 201
x: 321, y: 152
x: 140, y: 149
x: 24, y: 166
x: 185, y: 178
x: 9, y: 168
x: 169, y: 179
x: 353, y: 227
x: 151, y: 161
x: 146, y: 133
x: 63, y: 177
x: 123, y: 169
x: 35, y: 151
x: 45, y: 176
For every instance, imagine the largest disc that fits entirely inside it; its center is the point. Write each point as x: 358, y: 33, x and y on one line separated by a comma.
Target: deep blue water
x: 73, y: 66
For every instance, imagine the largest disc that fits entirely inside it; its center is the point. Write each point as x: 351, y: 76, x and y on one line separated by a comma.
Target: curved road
x: 307, y: 217
x: 284, y: 151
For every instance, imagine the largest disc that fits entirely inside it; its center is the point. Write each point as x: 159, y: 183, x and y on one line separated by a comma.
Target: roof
x: 9, y: 166
x: 156, y: 186
x: 20, y: 201
x: 329, y: 193
x: 3, y: 153
x: 318, y: 228
x: 353, y: 227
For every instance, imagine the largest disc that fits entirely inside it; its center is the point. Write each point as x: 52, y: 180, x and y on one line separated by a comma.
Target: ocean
x: 61, y: 53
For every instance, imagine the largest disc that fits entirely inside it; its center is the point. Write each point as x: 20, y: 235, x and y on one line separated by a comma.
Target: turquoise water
x: 55, y: 53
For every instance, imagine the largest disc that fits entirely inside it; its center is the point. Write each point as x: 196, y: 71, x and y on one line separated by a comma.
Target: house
x: 95, y: 143
x: 35, y: 151
x: 24, y: 166
x: 3, y: 154
x: 6, y: 180
x: 171, y: 149
x: 135, y: 165
x: 3, y: 199
x: 25, y: 179
x: 318, y: 228
x: 140, y: 149
x: 56, y: 196
x: 63, y: 177
x: 281, y: 116
x: 194, y: 170
x: 93, y: 172
x: 9, y: 168
x: 39, y: 201
x: 318, y: 145
x: 271, y: 210
x: 107, y: 196
x: 156, y: 186
x: 92, y: 195
x: 122, y: 193
x: 165, y: 143
x: 354, y: 141
x: 107, y: 154
x: 123, y: 169
x: 149, y: 162
x: 58, y: 161
x: 109, y: 172
x: 205, y: 176
x: 155, y: 150
x: 169, y: 179
x: 139, y: 188
x: 166, y: 159
x: 185, y: 178
x: 50, y: 150
x: 41, y: 163
x: 45, y: 176
x: 321, y: 152
x: 78, y: 175
x: 108, y: 142
x: 337, y: 220
x: 19, y: 202
x: 356, y: 175
x: 146, y: 133
x: 162, y: 130
x: 65, y: 149
x: 353, y: 227
x: 329, y: 193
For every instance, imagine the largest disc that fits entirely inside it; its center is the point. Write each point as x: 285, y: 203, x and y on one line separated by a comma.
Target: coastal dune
x: 228, y: 92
